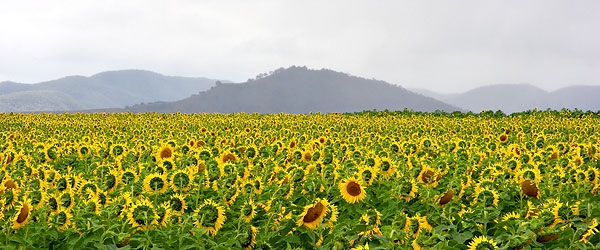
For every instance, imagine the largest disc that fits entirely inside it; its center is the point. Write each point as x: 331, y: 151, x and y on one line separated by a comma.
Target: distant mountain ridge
x: 300, y: 90
x: 110, y: 89
x: 511, y: 98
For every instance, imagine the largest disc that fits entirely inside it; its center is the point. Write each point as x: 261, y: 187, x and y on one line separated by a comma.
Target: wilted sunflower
x: 23, y: 215
x: 482, y: 242
x: 210, y: 216
x: 313, y: 214
x: 155, y: 183
x: 352, y: 190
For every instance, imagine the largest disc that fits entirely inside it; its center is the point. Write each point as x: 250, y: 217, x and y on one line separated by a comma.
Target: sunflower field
x: 371, y: 180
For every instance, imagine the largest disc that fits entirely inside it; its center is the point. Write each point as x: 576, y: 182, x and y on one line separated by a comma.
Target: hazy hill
x: 111, y: 89
x: 512, y: 98
x: 300, y: 90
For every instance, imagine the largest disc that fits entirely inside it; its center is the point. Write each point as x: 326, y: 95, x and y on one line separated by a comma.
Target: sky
x: 445, y: 46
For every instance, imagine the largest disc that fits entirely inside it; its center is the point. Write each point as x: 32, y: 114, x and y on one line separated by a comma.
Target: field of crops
x: 248, y: 181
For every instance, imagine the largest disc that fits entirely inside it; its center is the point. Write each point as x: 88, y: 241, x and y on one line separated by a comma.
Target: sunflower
x: 387, y: 167
x: 61, y: 219
x: 10, y: 184
x: 165, y: 152
x: 163, y: 214
x: 142, y: 214
x: 407, y: 190
x: 226, y: 157
x: 210, y: 216
x: 447, y: 197
x: 111, y: 180
x: 53, y: 202
x: 118, y: 151
x: 287, y: 187
x: 21, y: 218
x: 248, y: 211
x: 129, y: 176
x: 155, y: 183
x: 352, y: 190
x: 482, y: 242
x: 486, y: 195
x: 503, y: 138
x: 591, y: 231
x: 249, y: 241
x: 528, y: 180
x: 313, y: 214
x: 66, y: 199
x: 181, y: 180
x: 429, y: 176
x: 178, y: 204
x: 368, y: 175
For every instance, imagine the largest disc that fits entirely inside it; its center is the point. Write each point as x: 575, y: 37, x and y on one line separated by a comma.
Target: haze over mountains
x: 111, y: 89
x: 301, y: 90
x: 291, y: 90
x: 512, y: 98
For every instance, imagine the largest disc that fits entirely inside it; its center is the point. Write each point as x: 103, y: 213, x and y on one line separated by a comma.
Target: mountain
x: 512, y: 98
x: 300, y: 90
x: 111, y: 89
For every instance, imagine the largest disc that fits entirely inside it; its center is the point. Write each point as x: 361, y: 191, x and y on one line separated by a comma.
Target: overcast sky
x: 448, y: 46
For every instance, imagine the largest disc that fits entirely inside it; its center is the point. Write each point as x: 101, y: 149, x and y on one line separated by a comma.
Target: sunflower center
x: 353, y: 188
x: 503, y: 138
x: 166, y: 153
x: 427, y: 176
x: 529, y: 188
x: 23, y: 214
x: 314, y: 213
x: 228, y: 157
x: 10, y: 184
x: 447, y: 197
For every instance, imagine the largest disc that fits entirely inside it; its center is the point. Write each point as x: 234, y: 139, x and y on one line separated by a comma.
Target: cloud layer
x: 449, y: 46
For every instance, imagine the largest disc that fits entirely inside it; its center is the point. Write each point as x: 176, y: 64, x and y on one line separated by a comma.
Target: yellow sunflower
x: 210, y: 216
x: 248, y: 211
x: 352, y: 190
x: 482, y: 242
x: 165, y: 152
x: 21, y: 218
x: 155, y: 183
x: 313, y: 214
x: 142, y: 214
x: 178, y: 204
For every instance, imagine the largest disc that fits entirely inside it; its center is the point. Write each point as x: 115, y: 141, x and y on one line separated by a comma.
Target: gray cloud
x: 448, y: 46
